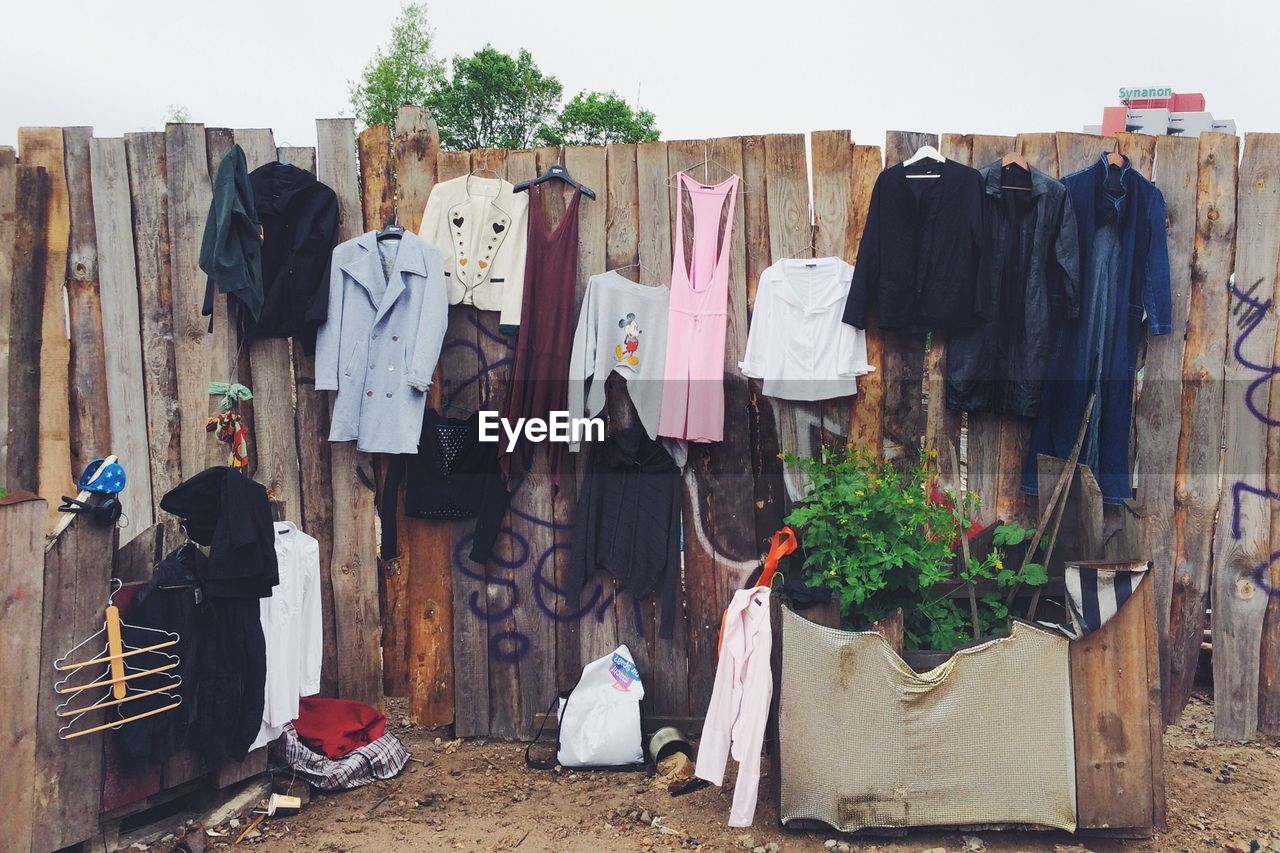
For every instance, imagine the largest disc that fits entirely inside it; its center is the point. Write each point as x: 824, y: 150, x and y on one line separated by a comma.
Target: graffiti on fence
x: 1249, y: 312
x: 497, y: 593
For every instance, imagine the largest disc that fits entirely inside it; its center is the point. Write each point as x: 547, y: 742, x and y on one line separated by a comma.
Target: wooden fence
x: 119, y: 222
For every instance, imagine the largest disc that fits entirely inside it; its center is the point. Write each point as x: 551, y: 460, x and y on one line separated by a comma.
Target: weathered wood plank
x: 377, y: 176
x: 189, y: 195
x: 1041, y: 151
x: 26, y: 307
x: 271, y: 379
x: 303, y: 157
x: 1117, y: 726
x: 1196, y: 478
x: 8, y: 228
x: 417, y: 144
x: 635, y: 617
x: 769, y: 488
x: 904, y: 352
x: 598, y: 629
x: 377, y: 185
x: 669, y: 679
x: 311, y: 421
x: 149, y: 196
x: 125, y: 396
x: 1140, y: 148
x: 353, y: 568
x: 90, y: 423
x: 702, y: 603
x: 22, y: 666
x: 507, y: 583
x: 68, y: 777
x: 1158, y: 418
x: 941, y: 422
x: 42, y: 146
x: 461, y: 380
x: 427, y: 565
x: 866, y: 421
x: 733, y: 532
x: 832, y: 158
x: 1004, y: 439
x: 1242, y: 539
x: 1078, y: 151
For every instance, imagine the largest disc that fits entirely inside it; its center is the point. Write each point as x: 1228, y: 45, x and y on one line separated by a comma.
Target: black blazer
x: 918, y: 260
x: 299, y: 217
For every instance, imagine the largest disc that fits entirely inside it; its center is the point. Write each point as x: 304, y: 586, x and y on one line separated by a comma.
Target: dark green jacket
x: 231, y: 252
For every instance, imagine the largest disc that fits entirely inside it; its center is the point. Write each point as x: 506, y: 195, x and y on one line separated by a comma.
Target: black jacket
x: 224, y: 509
x: 299, y: 217
x: 230, y: 249
x: 628, y: 520
x: 1029, y: 280
x: 453, y: 475
x: 918, y: 260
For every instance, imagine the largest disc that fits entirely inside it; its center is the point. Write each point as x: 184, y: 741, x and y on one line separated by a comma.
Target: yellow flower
x: 781, y: 455
x: 859, y: 493
x: 831, y: 573
x: 999, y: 564
x: 933, y: 452
x: 911, y: 500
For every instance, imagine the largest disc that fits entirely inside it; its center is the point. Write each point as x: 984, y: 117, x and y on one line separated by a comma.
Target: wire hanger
x: 812, y: 248
x: 639, y: 266
x: 705, y: 164
x: 112, y: 668
x: 556, y: 172
x: 923, y: 153
x: 484, y: 166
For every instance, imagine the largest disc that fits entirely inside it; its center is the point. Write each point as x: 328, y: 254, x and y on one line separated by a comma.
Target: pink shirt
x: 740, y: 700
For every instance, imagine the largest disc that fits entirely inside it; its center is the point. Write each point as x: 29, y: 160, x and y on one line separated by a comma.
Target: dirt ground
x: 477, y: 796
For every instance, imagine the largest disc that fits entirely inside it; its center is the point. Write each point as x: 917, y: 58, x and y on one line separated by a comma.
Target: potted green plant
x: 879, y: 538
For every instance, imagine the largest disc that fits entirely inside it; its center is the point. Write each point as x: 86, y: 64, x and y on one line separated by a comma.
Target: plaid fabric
x: 382, y: 759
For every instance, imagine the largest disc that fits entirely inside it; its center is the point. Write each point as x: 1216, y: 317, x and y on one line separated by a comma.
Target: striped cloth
x: 1096, y: 592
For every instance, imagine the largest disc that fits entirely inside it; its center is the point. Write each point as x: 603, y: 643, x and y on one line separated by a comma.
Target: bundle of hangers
x: 111, y: 669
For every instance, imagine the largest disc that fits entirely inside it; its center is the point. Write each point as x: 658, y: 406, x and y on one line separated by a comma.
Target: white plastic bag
x: 600, y: 721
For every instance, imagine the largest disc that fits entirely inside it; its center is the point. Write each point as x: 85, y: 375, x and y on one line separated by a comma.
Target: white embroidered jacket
x: 480, y: 225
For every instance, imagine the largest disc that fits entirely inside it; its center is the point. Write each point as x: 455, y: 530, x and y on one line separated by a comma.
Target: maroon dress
x: 540, y: 373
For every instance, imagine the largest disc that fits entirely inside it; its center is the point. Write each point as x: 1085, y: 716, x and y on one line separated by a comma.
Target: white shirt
x: 291, y: 623
x: 797, y: 342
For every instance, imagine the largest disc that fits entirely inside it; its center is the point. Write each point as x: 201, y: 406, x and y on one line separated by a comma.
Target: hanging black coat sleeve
x: 493, y: 509
x: 866, y: 272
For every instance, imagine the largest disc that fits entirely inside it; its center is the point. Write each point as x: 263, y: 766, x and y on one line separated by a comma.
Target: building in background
x: 1160, y: 111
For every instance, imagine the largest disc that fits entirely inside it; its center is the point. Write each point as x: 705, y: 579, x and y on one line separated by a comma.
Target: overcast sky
x: 705, y: 68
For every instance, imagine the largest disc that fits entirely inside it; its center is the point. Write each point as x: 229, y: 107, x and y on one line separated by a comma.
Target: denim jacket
x: 1124, y: 265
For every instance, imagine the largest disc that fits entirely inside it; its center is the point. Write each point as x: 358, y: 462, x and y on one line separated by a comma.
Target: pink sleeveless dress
x: 693, y: 384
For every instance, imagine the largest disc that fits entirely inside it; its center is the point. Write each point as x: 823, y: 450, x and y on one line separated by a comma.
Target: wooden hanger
x: 115, y: 674
x: 1115, y: 159
x: 1015, y: 158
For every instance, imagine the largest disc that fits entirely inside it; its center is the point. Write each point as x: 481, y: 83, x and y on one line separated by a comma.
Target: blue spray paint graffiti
x: 548, y: 599
x: 1249, y: 312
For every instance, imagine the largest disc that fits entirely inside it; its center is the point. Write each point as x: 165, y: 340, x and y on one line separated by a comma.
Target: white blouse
x: 797, y: 342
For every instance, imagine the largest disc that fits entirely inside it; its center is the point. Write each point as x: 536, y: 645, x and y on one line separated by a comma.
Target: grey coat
x: 380, y: 343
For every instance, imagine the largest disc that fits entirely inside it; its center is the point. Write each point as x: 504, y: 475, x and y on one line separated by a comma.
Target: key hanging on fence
x: 113, y: 670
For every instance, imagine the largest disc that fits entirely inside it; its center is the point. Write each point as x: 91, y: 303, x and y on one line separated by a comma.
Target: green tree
x: 494, y: 100
x: 403, y: 72
x: 599, y: 118
x: 177, y: 113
